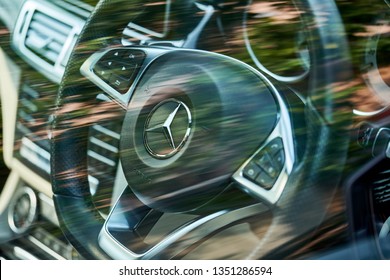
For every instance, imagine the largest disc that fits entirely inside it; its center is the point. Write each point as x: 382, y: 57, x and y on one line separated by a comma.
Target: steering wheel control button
x: 119, y: 67
x: 265, y: 180
x: 102, y: 72
x: 279, y: 160
x: 265, y: 168
x: 265, y: 162
x: 133, y: 56
x: 275, y: 146
x: 125, y: 70
x: 251, y: 171
x: 119, y: 83
x: 167, y: 128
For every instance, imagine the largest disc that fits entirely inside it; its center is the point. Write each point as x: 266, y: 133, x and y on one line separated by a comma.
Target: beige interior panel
x: 34, y: 181
x: 9, y: 75
x: 8, y: 191
x: 9, y: 85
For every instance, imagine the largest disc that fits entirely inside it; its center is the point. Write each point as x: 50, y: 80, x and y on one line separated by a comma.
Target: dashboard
x: 273, y: 41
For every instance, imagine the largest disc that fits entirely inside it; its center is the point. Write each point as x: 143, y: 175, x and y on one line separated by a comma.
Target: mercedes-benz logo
x: 167, y: 128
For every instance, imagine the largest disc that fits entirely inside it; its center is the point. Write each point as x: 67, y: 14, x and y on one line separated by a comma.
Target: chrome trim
x: 47, y: 208
x: 22, y: 254
x: 52, y: 72
x: 28, y: 143
x: 282, y: 130
x: 35, y: 154
x: 257, y: 61
x: 120, y: 184
x: 203, y: 226
x: 93, y: 184
x: 22, y: 128
x: 134, y: 34
x: 145, y: 30
x: 31, y: 213
x: 165, y: 129
x: 103, y: 144
x: 106, y: 131
x: 30, y: 91
x: 176, y: 43
x: 101, y: 158
x: 368, y: 114
x: 45, y: 248
x: 30, y: 105
x: 376, y: 139
x: 385, y: 230
x: 76, y: 6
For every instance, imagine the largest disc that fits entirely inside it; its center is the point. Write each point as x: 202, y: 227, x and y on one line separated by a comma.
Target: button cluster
x: 119, y: 67
x: 267, y: 165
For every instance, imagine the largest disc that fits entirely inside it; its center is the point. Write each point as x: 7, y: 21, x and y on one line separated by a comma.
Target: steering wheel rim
x: 78, y: 216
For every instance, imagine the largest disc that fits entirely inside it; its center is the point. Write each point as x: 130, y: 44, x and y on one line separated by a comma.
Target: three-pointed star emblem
x: 167, y: 128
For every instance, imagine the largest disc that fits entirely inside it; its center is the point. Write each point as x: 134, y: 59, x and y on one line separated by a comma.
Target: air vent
x: 381, y: 188
x: 32, y: 129
x: 45, y: 35
x: 103, y: 158
x: 103, y: 149
x: 141, y: 32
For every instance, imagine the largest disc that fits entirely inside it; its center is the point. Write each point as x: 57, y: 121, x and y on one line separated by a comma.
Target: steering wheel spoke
x: 117, y: 70
x: 265, y: 174
x: 135, y: 231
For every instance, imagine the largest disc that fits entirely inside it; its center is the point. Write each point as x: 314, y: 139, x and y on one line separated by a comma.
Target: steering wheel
x: 200, y: 130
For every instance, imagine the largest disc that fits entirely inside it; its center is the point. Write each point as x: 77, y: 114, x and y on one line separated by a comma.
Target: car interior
x: 194, y: 129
